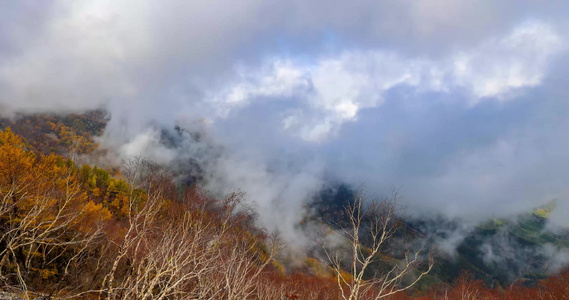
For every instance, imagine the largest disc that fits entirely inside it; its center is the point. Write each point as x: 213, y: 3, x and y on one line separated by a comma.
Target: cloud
x: 336, y: 88
x: 461, y: 103
x: 80, y: 55
x: 518, y: 60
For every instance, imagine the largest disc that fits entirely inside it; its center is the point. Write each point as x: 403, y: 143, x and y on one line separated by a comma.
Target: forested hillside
x: 70, y: 134
x: 82, y: 232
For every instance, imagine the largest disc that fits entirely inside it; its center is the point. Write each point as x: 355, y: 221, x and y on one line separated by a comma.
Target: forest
x: 70, y: 231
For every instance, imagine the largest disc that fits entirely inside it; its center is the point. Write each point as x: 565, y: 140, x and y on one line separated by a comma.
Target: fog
x: 460, y: 104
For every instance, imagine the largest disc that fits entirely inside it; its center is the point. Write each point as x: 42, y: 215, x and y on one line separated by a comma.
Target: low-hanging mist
x: 461, y: 105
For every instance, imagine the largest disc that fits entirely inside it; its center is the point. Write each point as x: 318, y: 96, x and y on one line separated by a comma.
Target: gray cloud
x: 461, y: 103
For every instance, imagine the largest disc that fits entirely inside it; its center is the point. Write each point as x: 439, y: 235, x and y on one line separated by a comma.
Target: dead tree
x: 368, y: 230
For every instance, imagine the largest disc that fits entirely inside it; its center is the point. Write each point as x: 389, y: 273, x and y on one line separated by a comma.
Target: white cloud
x: 500, y: 66
x: 332, y: 90
x: 147, y: 145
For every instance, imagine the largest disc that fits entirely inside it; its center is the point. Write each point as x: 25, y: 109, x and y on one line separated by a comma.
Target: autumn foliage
x: 83, y: 233
x: 69, y: 135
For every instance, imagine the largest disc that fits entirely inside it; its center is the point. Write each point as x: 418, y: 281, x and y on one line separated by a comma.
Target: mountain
x: 76, y: 230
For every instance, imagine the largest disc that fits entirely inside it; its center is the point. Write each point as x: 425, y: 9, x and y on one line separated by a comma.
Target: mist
x: 461, y: 105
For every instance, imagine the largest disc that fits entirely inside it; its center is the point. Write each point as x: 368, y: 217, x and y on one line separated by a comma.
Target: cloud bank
x: 460, y: 103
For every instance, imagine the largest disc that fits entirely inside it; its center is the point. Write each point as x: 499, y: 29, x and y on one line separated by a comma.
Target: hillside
x: 74, y: 231
x: 80, y: 232
x: 499, y: 252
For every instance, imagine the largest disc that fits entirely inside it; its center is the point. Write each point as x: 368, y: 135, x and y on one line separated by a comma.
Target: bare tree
x: 196, y: 248
x: 370, y: 228
x: 243, y: 264
x: 141, y: 218
x: 171, y: 265
x: 42, y: 225
x: 195, y: 255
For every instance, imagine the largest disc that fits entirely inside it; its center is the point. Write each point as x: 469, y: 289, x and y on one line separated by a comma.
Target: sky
x: 461, y: 105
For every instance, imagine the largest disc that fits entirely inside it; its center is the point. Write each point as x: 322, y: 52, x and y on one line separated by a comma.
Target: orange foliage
x: 64, y: 230
x: 71, y: 134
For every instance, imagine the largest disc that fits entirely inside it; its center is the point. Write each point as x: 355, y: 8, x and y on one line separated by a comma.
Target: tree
x: 368, y: 229
x: 46, y: 221
x: 193, y: 246
x: 466, y: 287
